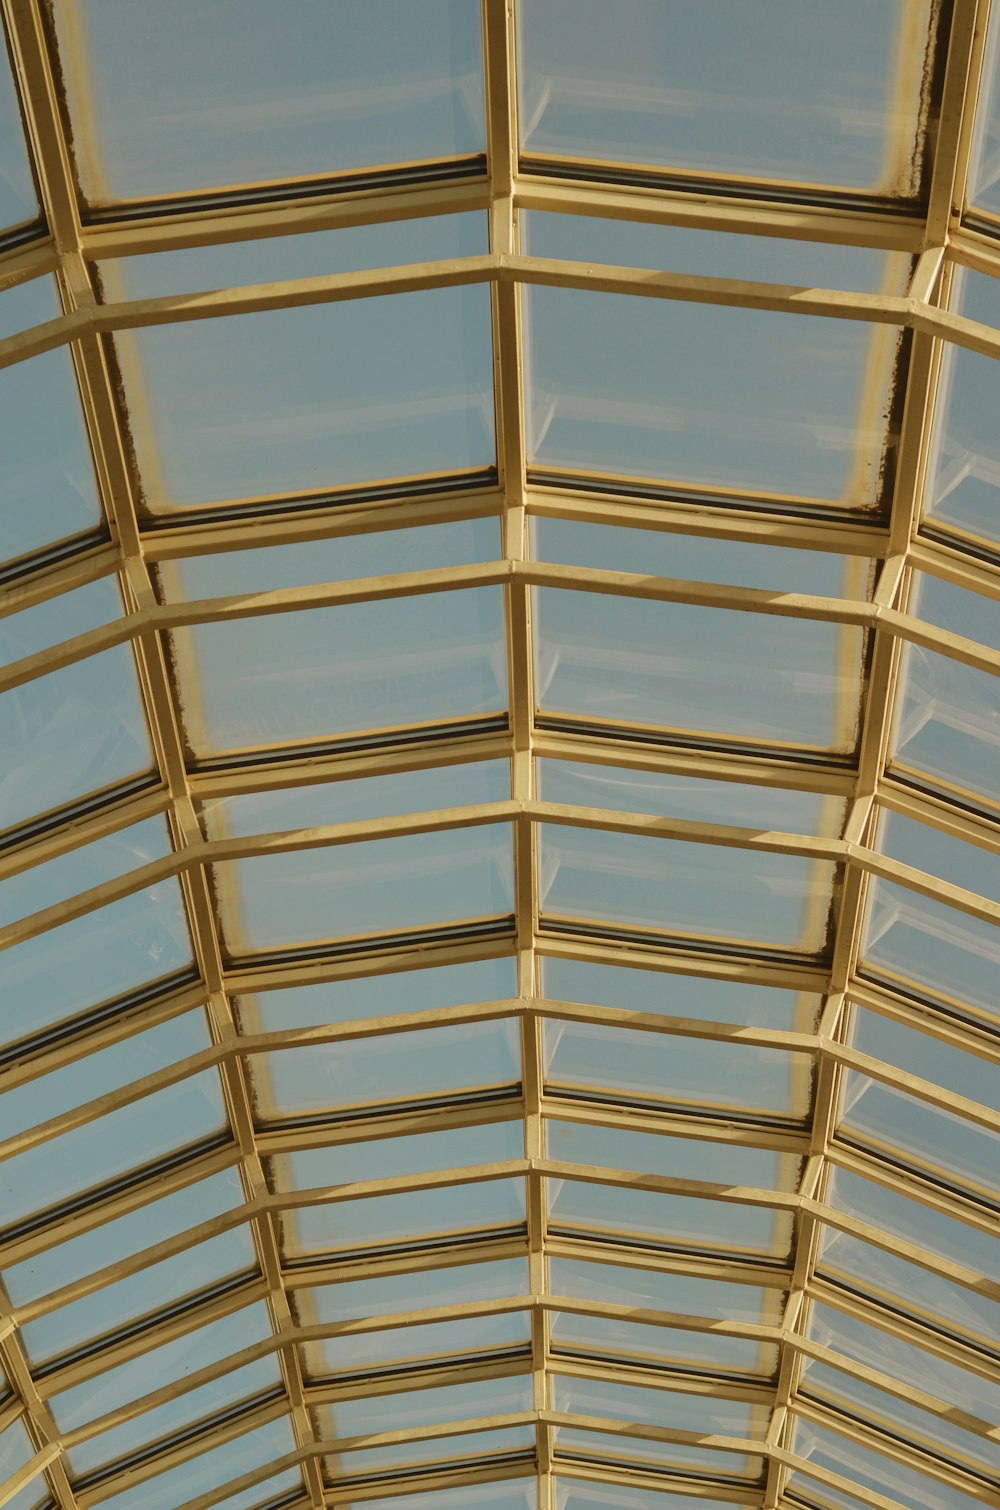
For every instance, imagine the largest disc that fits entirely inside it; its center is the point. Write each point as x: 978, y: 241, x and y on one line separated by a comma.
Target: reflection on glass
x: 380, y: 887
x: 698, y: 558
x: 710, y: 254
x: 259, y: 404
x: 656, y: 1407
x: 29, y: 303
x: 661, y: 1290
x: 264, y: 1493
x: 659, y: 1068
x: 677, y: 995
x: 692, y: 890
x: 354, y: 801
x: 671, y: 1221
x: 333, y: 672
x: 380, y: 995
x: 837, y: 103
x: 75, y: 730
x: 401, y: 1220
x: 314, y: 254
x: 964, y: 472
x: 168, y: 101
x: 341, y: 558
x: 652, y: 1153
x: 695, y: 393
x: 947, y: 722
x: 924, y: 1055
x: 717, y: 672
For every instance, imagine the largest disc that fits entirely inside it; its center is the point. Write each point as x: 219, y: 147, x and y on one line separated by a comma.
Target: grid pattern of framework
x: 841, y: 1354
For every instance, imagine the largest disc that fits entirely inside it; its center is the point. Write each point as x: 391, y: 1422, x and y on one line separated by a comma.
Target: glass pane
x: 17, y: 192
x: 664, y: 1347
x: 689, y: 890
x: 162, y: 103
x: 15, y: 1450
x: 960, y: 1387
x: 872, y: 1470
x: 32, y: 301
x: 655, y: 1456
x: 353, y: 801
x: 160, y: 1366
x: 661, y: 1407
x: 907, y: 1287
x: 342, y: 558
x: 402, y: 1221
x: 887, y: 1412
x: 666, y: 1221
x: 984, y: 168
x: 470, y: 1497
x: 657, y: 1068
x: 402, y: 1067
x: 571, y: 1496
x: 337, y: 671
x: 426, y: 1407
x: 205, y: 1266
x: 970, y: 614
x: 78, y: 870
x: 700, y: 671
x: 660, y: 1290
x: 120, y: 1142
x: 837, y: 103
x: 652, y: 1153
x: 382, y: 887
x: 257, y: 404
x: 380, y: 995
x: 710, y: 254
x: 381, y: 1350
x: 964, y: 469
x: 699, y: 558
x: 105, y: 954
x: 315, y: 254
x: 263, y: 1494
x: 390, y: 1158
x: 924, y: 1055
x: 121, y: 1239
x: 463, y: 1445
x: 678, y: 995
x: 937, y: 950
x: 74, y: 730
x: 901, y: 1217
x: 252, y: 1450
x: 36, y: 1101
x: 725, y: 398
x: 623, y: 789
x: 421, y: 1290
x: 881, y: 1117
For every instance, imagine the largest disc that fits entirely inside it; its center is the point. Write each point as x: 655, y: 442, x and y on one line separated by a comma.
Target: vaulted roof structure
x: 499, y: 754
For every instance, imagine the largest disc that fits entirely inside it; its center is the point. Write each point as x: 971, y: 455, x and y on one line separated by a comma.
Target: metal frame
x: 937, y: 234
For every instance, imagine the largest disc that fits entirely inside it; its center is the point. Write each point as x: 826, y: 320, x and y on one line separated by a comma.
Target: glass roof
x: 499, y: 731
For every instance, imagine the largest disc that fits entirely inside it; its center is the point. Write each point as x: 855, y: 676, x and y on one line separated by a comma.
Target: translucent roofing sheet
x: 607, y: 1116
